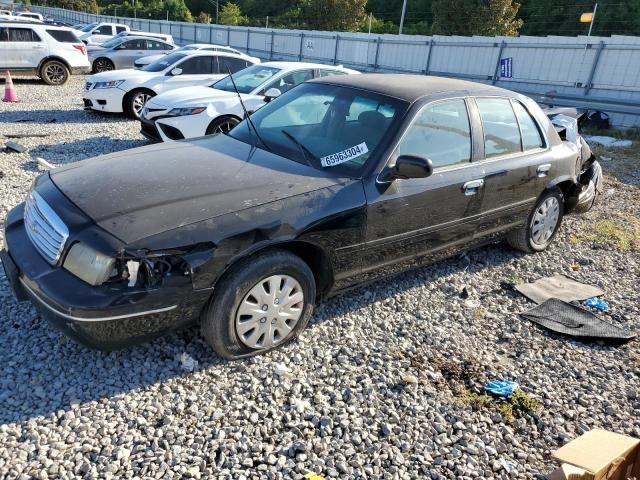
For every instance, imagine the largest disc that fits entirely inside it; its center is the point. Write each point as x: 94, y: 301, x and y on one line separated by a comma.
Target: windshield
x: 246, y: 80
x: 330, y: 127
x: 89, y: 27
x: 164, y: 62
x: 113, y: 42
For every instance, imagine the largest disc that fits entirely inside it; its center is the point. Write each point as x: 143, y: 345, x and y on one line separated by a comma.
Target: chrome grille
x: 45, y: 229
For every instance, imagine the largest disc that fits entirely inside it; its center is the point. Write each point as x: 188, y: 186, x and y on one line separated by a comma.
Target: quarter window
x: 441, y: 133
x: 531, y: 138
x: 501, y: 132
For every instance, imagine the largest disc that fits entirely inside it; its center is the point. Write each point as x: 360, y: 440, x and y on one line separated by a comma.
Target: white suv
x: 50, y: 52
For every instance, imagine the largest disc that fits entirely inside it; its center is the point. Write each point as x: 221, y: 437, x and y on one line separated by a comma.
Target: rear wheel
x: 260, y: 304
x: 54, y: 72
x: 222, y: 125
x: 134, y: 102
x: 103, y: 65
x: 542, y: 224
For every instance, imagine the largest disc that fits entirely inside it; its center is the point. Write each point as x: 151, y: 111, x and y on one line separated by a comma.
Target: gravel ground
x: 383, y: 384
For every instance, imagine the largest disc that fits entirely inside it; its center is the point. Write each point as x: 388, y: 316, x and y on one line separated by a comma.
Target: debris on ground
x: 607, y: 141
x: 281, y: 370
x: 501, y: 388
x: 15, y: 147
x: 558, y: 286
x: 187, y: 362
x: 43, y: 163
x: 596, y: 303
x: 569, y: 319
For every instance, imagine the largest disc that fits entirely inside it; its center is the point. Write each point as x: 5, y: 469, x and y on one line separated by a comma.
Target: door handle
x: 472, y: 187
x: 38, y: 46
x: 543, y: 170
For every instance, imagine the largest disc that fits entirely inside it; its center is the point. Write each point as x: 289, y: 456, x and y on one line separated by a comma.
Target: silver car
x: 120, y: 53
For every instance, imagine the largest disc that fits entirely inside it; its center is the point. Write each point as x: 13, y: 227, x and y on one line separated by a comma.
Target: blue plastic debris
x: 597, y: 303
x: 501, y: 388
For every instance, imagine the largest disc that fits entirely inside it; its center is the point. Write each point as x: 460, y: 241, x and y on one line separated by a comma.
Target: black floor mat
x: 572, y: 320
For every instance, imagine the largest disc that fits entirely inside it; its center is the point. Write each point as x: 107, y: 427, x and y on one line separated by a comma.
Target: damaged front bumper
x: 591, y: 183
x: 105, y: 317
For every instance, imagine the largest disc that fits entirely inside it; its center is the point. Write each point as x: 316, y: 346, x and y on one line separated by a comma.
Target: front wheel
x: 222, y: 125
x: 54, y: 72
x: 261, y: 304
x: 542, y: 224
x: 134, y: 102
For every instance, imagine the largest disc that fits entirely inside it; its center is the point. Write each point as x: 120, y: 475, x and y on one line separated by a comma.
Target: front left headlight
x: 180, y: 112
x: 89, y: 265
x: 112, y: 84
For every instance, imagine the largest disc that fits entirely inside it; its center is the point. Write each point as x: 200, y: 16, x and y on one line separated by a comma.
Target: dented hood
x: 145, y: 191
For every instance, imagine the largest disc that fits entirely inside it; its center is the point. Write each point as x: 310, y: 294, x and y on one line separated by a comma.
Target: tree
x: 232, y: 15
x: 476, y: 17
x: 339, y: 15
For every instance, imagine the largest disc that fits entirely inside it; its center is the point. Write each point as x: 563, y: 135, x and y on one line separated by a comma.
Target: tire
x: 222, y: 125
x: 233, y: 335
x: 54, y: 72
x: 103, y: 64
x: 134, y: 101
x: 541, y: 227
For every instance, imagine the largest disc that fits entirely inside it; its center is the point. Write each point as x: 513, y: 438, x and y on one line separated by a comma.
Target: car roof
x: 411, y: 87
x: 200, y: 53
x: 299, y: 65
x: 126, y: 38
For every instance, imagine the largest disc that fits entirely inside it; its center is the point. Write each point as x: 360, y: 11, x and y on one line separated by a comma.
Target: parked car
x: 119, y: 53
x: 128, y: 90
x: 340, y: 180
x: 144, y: 61
x: 100, y: 32
x: 50, y: 52
x: 30, y: 16
x: 165, y: 37
x: 6, y: 13
x: 202, y: 110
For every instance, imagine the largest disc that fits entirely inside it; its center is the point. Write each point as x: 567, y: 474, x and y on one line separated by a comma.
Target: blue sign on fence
x: 506, y: 65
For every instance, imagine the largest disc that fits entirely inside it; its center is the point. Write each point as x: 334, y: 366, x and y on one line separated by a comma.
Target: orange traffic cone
x: 10, y: 94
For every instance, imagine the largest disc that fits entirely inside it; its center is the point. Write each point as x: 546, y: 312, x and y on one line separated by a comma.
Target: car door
x: 24, y: 48
x: 515, y: 163
x: 426, y: 217
x: 127, y: 52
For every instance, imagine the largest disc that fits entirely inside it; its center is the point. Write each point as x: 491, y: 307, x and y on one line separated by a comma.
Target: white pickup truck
x: 100, y: 32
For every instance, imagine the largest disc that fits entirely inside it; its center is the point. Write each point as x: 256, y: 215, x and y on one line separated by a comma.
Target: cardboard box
x: 599, y: 455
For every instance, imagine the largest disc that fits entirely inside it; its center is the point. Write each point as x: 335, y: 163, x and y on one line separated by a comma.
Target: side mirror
x: 271, y: 94
x: 176, y: 71
x: 409, y: 166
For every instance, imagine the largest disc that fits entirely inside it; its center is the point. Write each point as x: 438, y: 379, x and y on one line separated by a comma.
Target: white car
x: 30, y: 16
x: 193, y: 47
x: 48, y: 51
x: 128, y: 90
x: 203, y: 110
x: 6, y: 13
x: 100, y: 32
x: 165, y: 37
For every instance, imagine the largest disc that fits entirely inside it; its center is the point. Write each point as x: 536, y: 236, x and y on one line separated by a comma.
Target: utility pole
x: 593, y: 18
x: 404, y: 10
x: 267, y: 25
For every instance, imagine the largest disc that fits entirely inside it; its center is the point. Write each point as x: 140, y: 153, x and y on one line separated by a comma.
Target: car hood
x: 189, y: 96
x: 128, y: 74
x: 149, y: 190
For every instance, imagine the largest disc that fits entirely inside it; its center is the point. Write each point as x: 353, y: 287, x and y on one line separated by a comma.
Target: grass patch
x: 471, y: 399
x: 610, y: 235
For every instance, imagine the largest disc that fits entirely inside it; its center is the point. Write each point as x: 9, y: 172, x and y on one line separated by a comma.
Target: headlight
x: 180, y: 112
x: 112, y: 84
x: 89, y: 265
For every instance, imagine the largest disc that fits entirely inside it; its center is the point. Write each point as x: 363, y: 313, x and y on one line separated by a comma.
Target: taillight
x: 82, y: 48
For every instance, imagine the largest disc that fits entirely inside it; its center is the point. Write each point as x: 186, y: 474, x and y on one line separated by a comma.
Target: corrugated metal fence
x: 598, y: 72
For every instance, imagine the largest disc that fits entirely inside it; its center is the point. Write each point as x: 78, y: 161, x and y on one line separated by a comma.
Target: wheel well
x: 47, y: 59
x: 570, y: 194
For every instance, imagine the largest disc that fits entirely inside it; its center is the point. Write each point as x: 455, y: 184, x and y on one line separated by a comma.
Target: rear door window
x: 22, y: 35
x: 121, y: 29
x: 63, y: 36
x: 231, y: 63
x: 501, y: 132
x: 441, y: 133
x: 290, y: 80
x: 531, y: 138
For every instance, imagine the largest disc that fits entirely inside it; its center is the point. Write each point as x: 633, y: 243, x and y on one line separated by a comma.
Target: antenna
x: 246, y: 114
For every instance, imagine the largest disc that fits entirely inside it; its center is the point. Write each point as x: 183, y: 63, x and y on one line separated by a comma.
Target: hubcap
x: 225, y: 126
x: 545, y: 220
x: 55, y: 73
x: 269, y: 312
x: 138, y: 102
x: 103, y: 66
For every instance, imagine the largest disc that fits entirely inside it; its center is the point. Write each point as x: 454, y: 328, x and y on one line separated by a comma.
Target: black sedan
x: 337, y: 182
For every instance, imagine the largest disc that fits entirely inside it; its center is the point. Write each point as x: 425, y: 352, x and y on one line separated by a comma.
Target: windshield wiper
x: 306, y: 153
